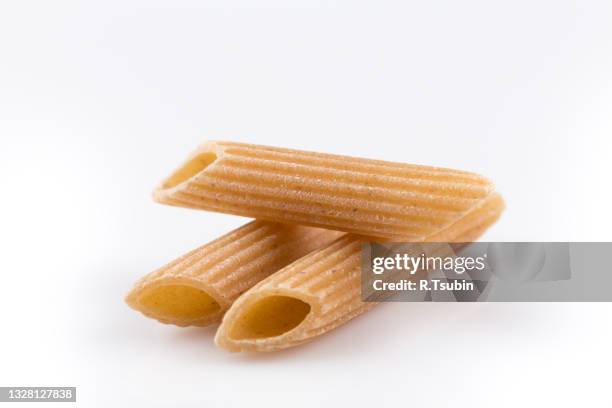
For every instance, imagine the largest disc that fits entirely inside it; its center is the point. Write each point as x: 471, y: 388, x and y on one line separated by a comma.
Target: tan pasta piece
x: 368, y: 197
x: 197, y: 288
x: 322, y: 290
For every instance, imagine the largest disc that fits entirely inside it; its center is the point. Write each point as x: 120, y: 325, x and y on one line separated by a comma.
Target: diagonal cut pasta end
x: 265, y: 321
x: 179, y: 301
x: 198, y: 161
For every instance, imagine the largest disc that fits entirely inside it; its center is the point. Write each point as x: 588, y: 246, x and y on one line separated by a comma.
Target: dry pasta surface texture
x: 322, y: 290
x: 374, y: 198
x: 197, y: 288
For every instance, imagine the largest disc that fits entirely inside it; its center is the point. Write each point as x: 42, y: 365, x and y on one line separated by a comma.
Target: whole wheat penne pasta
x: 197, y: 288
x: 368, y: 197
x: 322, y: 290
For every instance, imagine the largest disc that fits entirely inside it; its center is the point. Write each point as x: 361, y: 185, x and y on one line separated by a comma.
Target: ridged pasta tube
x: 322, y: 290
x: 197, y: 288
x: 373, y: 198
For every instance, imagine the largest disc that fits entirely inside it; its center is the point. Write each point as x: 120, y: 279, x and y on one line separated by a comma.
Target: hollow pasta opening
x: 270, y: 317
x: 179, y: 302
x: 190, y: 169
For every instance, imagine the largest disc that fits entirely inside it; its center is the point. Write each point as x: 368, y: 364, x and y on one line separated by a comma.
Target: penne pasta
x: 197, y: 288
x: 375, y: 198
x: 322, y: 290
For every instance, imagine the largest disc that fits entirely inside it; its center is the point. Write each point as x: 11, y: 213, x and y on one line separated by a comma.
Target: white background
x: 99, y: 101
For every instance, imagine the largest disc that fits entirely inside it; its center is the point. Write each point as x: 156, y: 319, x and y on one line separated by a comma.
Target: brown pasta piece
x: 322, y: 290
x: 375, y: 198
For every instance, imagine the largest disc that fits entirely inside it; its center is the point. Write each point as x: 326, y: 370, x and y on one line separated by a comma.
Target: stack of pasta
x: 293, y: 273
